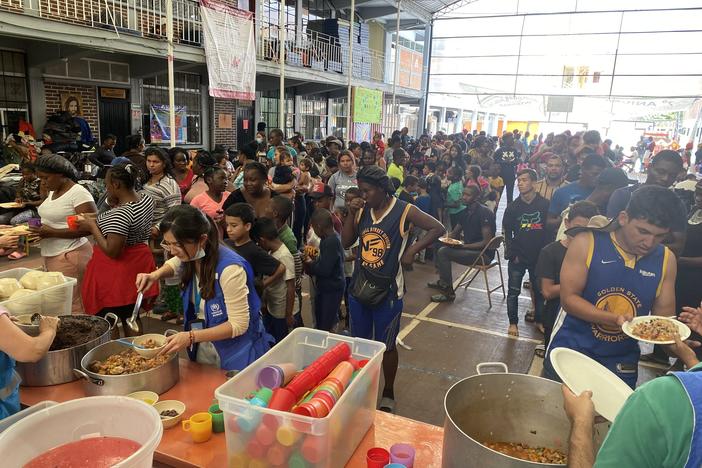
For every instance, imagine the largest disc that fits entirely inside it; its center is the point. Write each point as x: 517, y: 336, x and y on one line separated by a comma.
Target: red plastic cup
x: 265, y: 435
x: 72, y: 222
x: 313, y: 449
x: 255, y: 449
x: 377, y: 457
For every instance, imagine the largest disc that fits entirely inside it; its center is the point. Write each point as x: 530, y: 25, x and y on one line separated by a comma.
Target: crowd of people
x: 224, y: 241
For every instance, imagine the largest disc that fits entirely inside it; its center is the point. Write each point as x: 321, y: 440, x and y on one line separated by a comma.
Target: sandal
x: 16, y: 255
x: 5, y: 252
x: 513, y: 330
x: 387, y: 405
x: 446, y: 297
x: 530, y: 316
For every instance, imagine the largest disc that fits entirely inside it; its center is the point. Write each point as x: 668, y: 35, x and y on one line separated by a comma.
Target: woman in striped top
x: 121, y: 251
x: 161, y: 186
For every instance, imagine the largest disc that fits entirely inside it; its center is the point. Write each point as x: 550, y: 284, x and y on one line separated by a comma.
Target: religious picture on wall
x: 72, y: 103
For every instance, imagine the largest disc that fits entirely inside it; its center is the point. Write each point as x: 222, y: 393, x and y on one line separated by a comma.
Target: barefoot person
x: 381, y: 223
x: 612, y: 275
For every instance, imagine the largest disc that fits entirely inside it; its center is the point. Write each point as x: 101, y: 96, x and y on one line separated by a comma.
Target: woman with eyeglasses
x: 223, y: 326
x: 121, y: 251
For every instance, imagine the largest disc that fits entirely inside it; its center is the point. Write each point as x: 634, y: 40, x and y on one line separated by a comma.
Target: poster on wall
x: 72, y: 103
x: 367, y: 105
x: 230, y: 50
x: 159, y: 124
x: 362, y: 131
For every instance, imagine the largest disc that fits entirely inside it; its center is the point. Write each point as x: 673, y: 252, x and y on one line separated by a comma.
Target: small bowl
x: 25, y: 324
x: 151, y: 352
x: 150, y: 398
x: 169, y: 422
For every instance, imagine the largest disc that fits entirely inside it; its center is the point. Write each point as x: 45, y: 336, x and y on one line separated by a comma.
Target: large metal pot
x: 502, y: 407
x: 158, y: 380
x: 57, y: 366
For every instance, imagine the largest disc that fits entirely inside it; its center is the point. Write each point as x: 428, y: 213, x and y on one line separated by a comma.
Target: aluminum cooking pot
x: 158, y: 379
x: 57, y: 366
x: 502, y: 407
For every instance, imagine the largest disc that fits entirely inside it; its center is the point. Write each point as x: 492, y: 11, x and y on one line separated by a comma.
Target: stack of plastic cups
x: 402, y: 454
x: 377, y: 457
x: 276, y: 376
x: 249, y: 421
x: 321, y: 401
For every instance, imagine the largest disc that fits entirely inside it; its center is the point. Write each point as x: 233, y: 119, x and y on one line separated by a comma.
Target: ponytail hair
x: 128, y: 174
x: 188, y: 224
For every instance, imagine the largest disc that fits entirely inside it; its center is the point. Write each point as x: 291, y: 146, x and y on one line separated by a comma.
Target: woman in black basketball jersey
x: 381, y: 223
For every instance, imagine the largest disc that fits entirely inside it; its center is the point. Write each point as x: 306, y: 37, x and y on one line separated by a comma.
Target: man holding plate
x: 613, y: 274
x: 660, y: 425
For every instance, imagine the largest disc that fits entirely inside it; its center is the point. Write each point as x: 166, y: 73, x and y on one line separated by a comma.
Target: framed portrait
x: 73, y: 103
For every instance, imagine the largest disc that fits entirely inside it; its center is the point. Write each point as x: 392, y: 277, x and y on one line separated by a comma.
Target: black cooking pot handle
x: 82, y: 375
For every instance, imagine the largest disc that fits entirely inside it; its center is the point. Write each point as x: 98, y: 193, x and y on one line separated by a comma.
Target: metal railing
x: 147, y: 18
x: 318, y: 51
x: 137, y: 17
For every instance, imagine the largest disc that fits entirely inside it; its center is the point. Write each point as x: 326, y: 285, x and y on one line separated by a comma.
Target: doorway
x: 244, y: 125
x: 115, y: 116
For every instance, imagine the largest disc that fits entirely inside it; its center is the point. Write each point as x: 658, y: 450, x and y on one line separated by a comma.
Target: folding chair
x: 480, y: 265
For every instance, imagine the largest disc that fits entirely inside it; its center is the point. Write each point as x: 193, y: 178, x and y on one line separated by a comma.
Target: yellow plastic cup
x: 199, y: 426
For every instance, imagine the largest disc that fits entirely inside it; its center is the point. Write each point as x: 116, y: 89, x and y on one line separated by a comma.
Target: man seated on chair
x: 477, y: 222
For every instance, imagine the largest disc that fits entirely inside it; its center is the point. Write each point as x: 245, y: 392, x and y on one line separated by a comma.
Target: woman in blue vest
x: 222, y: 322
x: 16, y: 345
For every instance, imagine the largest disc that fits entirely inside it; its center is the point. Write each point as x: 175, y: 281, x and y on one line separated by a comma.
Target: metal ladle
x: 131, y: 322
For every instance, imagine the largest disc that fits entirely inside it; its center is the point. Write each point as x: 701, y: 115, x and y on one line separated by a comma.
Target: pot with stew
x: 504, y: 420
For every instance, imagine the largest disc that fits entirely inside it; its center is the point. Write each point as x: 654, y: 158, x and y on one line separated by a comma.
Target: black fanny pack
x: 371, y: 288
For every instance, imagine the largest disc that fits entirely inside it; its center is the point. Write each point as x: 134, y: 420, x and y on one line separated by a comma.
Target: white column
x: 281, y: 64
x: 171, y: 84
x: 350, y: 72
x: 395, y: 118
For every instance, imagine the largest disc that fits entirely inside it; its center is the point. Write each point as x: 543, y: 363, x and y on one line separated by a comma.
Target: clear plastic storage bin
x: 277, y: 438
x: 54, y: 300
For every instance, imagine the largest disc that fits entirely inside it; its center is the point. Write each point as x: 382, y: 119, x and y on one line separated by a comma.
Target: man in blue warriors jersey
x: 612, y: 275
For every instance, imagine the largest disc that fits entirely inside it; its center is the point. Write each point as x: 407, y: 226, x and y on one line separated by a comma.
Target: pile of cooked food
x: 171, y: 413
x: 655, y: 330
x: 532, y: 454
x: 75, y: 330
x: 126, y: 362
x: 150, y: 344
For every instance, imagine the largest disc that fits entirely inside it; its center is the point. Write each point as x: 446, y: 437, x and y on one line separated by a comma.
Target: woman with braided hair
x: 121, y: 247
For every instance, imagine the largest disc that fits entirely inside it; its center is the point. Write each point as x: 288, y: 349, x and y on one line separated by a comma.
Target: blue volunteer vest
x: 234, y: 353
x: 692, y: 383
x: 619, y: 287
x: 381, y: 243
x: 9, y: 387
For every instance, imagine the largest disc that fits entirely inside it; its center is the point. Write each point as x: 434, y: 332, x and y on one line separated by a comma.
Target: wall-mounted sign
x: 113, y: 93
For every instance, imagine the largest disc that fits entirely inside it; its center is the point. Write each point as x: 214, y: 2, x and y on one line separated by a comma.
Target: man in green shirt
x: 659, y: 426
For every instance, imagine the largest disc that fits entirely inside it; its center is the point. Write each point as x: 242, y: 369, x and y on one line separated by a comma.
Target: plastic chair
x: 480, y: 265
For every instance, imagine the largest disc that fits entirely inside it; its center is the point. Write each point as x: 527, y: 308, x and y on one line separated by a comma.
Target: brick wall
x: 53, y: 91
x: 224, y: 136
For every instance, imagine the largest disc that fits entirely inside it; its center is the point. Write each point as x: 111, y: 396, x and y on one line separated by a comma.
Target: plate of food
x: 655, y: 329
x: 580, y: 372
x: 449, y: 241
x: 11, y: 205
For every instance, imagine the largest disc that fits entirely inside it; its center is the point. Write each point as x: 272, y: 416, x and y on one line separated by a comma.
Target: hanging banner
x: 160, y: 128
x: 230, y: 50
x: 367, y: 105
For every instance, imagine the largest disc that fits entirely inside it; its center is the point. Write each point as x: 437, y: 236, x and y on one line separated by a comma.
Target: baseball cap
x: 320, y: 190
x: 614, y: 177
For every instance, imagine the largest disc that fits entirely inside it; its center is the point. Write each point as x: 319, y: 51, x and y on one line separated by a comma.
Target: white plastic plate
x: 580, y: 373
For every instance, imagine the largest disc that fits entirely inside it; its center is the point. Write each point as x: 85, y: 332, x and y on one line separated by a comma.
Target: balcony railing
x: 147, y: 18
